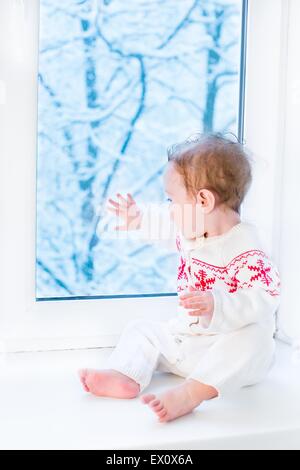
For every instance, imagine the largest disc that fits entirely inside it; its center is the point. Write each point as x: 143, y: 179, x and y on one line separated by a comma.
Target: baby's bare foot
x: 108, y: 383
x: 171, y: 404
x: 178, y: 401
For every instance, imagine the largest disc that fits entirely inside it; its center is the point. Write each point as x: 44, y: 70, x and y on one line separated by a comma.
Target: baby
x: 222, y: 336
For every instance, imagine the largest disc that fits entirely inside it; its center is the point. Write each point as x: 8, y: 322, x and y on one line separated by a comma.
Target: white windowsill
x: 42, y: 406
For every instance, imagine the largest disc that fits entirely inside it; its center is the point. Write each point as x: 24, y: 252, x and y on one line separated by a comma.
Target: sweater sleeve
x: 158, y: 228
x: 253, y: 294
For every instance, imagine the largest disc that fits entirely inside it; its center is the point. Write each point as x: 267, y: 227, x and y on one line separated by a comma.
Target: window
x: 118, y: 83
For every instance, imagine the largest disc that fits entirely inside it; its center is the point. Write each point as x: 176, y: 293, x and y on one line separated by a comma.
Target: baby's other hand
x: 201, y: 302
x: 128, y: 210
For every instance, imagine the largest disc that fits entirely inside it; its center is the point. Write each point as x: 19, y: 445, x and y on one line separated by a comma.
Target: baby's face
x: 186, y: 213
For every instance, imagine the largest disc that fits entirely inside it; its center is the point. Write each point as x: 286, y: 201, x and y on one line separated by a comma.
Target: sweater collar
x: 198, y: 242
x: 192, y: 243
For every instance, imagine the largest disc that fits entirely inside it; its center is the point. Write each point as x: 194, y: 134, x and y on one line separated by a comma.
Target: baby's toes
x: 147, y: 398
x: 162, y: 413
x: 156, y: 405
x: 86, y: 388
x: 82, y: 375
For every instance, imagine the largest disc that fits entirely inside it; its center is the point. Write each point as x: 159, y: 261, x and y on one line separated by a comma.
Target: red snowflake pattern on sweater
x: 250, y: 269
x: 182, y: 275
x: 204, y: 282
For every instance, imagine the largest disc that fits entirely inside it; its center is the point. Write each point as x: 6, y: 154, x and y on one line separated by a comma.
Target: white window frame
x: 29, y: 325
x: 272, y: 131
x: 288, y: 180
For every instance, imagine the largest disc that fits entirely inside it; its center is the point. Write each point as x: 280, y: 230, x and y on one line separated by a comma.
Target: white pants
x: 225, y: 361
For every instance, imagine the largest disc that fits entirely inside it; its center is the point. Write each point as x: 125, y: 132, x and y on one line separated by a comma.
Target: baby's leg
x: 182, y: 399
x: 231, y: 361
x: 130, y: 367
x: 236, y: 359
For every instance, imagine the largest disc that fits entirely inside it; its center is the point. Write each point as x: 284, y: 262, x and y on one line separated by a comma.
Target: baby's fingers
x: 122, y: 199
x: 190, y: 295
x: 196, y: 313
x: 122, y: 203
x: 192, y: 303
x: 115, y: 210
x: 130, y: 199
x: 195, y: 306
x: 113, y: 203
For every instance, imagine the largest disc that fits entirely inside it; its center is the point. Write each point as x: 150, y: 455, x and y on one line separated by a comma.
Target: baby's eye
x: 169, y: 200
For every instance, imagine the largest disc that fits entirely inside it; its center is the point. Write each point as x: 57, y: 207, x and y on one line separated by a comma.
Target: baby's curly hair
x: 215, y: 162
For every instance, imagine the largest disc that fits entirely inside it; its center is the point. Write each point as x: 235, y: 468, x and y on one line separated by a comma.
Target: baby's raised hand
x: 128, y: 210
x: 201, y: 302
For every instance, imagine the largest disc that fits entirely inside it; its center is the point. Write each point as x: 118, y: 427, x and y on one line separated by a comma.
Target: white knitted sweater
x: 234, y: 266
